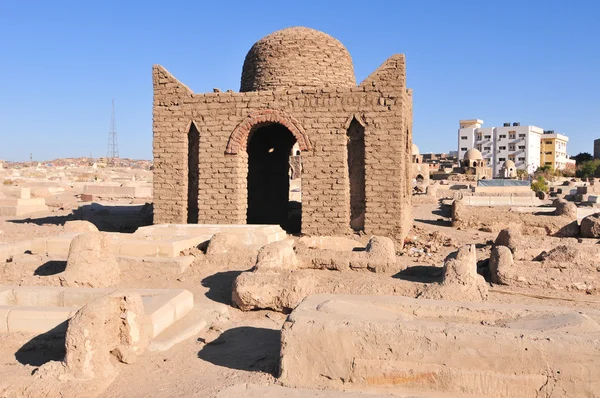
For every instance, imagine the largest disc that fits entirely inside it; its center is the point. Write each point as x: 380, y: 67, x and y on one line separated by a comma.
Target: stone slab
x: 124, y: 244
x: 275, y: 391
x: 498, y: 350
x: 204, y: 314
x: 172, y: 265
x: 39, y: 309
x: 38, y: 319
x: 252, y: 235
x: 117, y: 191
x: 16, y: 211
x: 22, y: 202
x: 501, y: 201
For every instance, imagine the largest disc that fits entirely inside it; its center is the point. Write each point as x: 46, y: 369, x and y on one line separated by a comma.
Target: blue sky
x: 532, y: 61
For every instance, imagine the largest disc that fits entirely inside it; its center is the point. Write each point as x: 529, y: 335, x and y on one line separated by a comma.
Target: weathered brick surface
x: 318, y: 118
x: 297, y: 57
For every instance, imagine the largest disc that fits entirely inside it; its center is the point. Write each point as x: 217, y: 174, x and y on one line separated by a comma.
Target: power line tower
x: 112, y: 151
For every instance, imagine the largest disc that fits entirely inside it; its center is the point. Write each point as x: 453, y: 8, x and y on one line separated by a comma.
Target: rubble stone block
x: 509, y: 237
x: 91, y: 262
x: 277, y: 256
x: 79, y: 226
x: 501, y: 264
x: 564, y: 208
x: 461, y: 281
x: 590, y: 226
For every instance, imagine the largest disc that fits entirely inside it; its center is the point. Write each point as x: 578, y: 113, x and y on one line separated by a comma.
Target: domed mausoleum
x: 509, y: 169
x: 420, y: 170
x: 297, y: 58
x: 225, y: 157
x: 474, y: 164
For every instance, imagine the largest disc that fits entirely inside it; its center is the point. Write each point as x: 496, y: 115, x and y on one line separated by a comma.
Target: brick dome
x: 297, y: 57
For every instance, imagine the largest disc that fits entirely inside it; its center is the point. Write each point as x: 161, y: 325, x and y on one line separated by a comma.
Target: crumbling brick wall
x: 318, y: 118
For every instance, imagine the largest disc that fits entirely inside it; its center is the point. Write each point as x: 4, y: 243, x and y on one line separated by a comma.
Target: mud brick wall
x: 318, y: 118
x: 281, y: 59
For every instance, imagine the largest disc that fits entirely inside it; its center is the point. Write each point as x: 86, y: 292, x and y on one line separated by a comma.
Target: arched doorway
x: 269, y: 149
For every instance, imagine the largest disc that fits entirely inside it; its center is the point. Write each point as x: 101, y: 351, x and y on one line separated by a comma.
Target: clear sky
x: 61, y: 63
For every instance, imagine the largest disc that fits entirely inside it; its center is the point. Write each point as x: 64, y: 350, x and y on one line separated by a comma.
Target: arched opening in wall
x: 273, y: 196
x: 193, y: 174
x: 420, y: 179
x: 356, y: 174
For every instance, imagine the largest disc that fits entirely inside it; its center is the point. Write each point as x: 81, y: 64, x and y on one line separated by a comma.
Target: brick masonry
x: 318, y: 117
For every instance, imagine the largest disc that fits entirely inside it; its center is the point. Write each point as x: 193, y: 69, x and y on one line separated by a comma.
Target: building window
x: 521, y: 146
x: 502, y: 136
x: 502, y: 148
x: 479, y: 147
x: 488, y: 148
x: 463, y: 149
x: 521, y: 135
x: 511, y: 147
x: 549, y: 153
x: 549, y: 163
x: 487, y: 137
x: 521, y: 159
x: 501, y: 159
x: 548, y: 142
x: 512, y: 136
x: 463, y: 138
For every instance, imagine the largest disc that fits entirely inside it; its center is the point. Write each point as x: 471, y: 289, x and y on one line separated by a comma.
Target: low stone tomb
x: 37, y: 309
x: 499, y: 350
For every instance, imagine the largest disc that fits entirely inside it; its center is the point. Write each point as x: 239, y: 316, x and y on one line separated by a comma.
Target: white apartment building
x: 521, y: 144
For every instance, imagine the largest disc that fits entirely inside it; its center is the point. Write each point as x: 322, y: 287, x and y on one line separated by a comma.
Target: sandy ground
x: 241, y: 349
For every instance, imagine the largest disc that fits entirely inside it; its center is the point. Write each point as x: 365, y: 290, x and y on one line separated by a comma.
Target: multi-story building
x: 553, y: 150
x: 521, y: 144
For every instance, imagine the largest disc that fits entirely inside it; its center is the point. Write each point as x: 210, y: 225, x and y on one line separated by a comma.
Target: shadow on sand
x: 220, y: 286
x: 51, y: 267
x: 421, y: 274
x: 245, y: 348
x: 439, y: 222
x: 46, y: 347
x: 52, y: 220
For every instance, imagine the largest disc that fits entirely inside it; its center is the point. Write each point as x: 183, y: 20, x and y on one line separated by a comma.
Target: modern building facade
x: 519, y: 144
x: 553, y: 150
